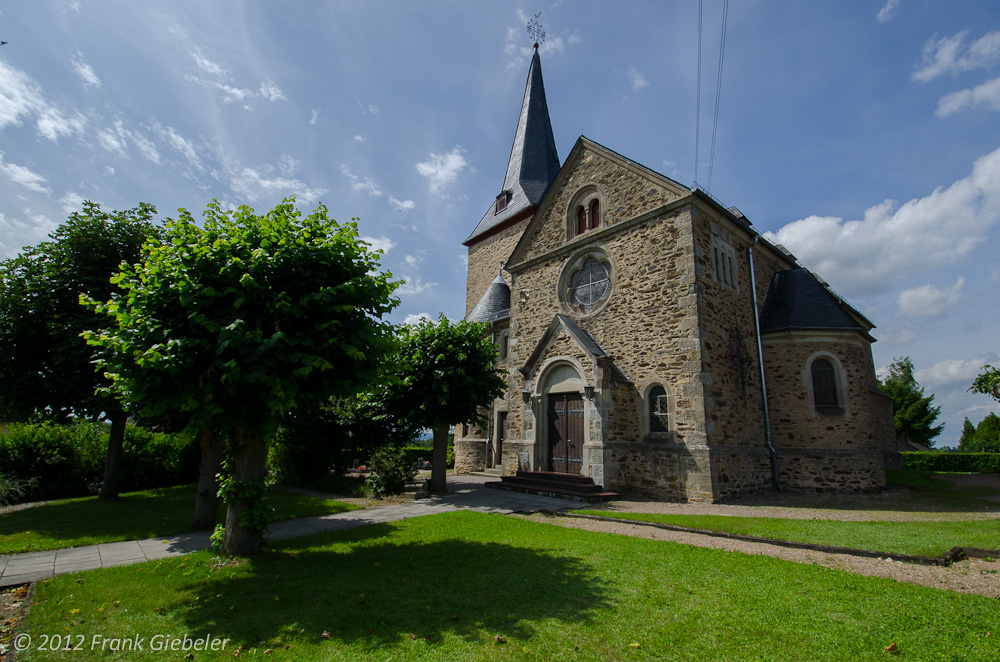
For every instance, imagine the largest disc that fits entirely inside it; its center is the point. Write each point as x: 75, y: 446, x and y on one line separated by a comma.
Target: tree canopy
x: 236, y: 323
x: 982, y: 438
x: 913, y: 413
x: 444, y: 374
x: 46, y: 367
x: 988, y: 382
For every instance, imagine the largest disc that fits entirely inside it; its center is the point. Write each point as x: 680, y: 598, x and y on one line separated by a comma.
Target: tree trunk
x: 249, y: 466
x: 206, y: 500
x: 439, y: 460
x: 113, y: 460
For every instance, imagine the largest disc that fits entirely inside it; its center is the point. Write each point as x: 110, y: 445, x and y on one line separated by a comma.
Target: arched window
x: 824, y: 384
x: 595, y: 214
x: 581, y: 220
x: 658, y: 421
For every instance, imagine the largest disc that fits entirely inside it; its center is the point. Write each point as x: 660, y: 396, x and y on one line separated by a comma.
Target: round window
x: 591, y: 285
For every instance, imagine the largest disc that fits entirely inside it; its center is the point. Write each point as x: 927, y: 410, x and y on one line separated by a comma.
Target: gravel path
x: 970, y: 576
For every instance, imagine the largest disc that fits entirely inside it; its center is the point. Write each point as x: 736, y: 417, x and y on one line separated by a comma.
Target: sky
x: 863, y: 136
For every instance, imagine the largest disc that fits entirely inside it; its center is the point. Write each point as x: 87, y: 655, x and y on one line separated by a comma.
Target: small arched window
x: 581, y: 220
x: 595, y: 214
x: 824, y: 383
x: 658, y: 420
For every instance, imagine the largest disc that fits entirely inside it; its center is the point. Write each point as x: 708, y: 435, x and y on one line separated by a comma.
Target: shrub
x: 48, y: 461
x: 956, y: 462
x: 391, y: 470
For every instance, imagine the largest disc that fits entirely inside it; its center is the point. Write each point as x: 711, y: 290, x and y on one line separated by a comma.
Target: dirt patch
x: 14, y: 603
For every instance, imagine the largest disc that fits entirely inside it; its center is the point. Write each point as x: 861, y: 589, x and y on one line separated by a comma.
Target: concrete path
x: 467, y: 493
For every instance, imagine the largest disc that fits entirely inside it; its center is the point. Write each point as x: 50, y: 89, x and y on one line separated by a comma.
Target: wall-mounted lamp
x: 589, y: 391
x: 525, y: 396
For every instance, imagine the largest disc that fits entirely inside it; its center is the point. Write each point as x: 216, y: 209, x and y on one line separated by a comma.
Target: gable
x: 623, y: 188
x: 565, y: 340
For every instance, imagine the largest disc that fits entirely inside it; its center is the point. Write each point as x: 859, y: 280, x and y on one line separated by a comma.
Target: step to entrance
x: 553, y: 484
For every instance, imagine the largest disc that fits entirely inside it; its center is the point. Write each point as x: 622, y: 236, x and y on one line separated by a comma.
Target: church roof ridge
x: 534, y: 161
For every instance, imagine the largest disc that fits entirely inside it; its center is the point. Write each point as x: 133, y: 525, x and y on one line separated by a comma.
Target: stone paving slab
x: 467, y: 493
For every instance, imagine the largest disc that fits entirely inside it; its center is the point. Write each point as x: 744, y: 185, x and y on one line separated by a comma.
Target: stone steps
x: 552, y: 484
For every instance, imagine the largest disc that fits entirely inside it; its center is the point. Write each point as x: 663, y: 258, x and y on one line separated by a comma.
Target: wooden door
x: 566, y: 432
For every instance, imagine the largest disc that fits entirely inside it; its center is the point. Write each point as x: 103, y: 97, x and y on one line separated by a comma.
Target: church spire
x: 533, y: 164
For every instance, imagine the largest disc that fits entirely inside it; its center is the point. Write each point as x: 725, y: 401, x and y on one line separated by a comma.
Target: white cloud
x: 954, y: 371
x: 109, y: 171
x: 368, y: 185
x: 414, y: 319
x: 169, y: 135
x: 949, y: 55
x: 206, y: 65
x: 401, y: 205
x: 314, y: 116
x: 636, y: 78
x: 85, y: 71
x: 863, y: 256
x: 382, y: 243
x: 287, y: 165
x: 442, y: 169
x: 71, y: 202
x: 888, y: 11
x: 19, y: 95
x: 987, y: 94
x: 23, y: 176
x: 359, y: 139
x: 250, y: 183
x: 929, y: 301
x: 414, y: 285
x: 24, y: 233
x: 373, y: 109
x: 52, y: 124
x: 413, y: 260
x: 270, y: 91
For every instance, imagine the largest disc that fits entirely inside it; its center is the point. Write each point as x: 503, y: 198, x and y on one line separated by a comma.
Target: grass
x: 929, y: 488
x: 160, y: 512
x: 469, y: 586
x: 915, y: 538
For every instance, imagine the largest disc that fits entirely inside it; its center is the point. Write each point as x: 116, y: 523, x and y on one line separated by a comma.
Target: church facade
x: 655, y: 342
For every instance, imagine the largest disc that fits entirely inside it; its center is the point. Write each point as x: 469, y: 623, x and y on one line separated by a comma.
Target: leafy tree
x: 45, y: 365
x: 988, y: 382
x: 913, y: 413
x: 985, y: 437
x: 968, y: 433
x: 236, y: 324
x: 444, y: 374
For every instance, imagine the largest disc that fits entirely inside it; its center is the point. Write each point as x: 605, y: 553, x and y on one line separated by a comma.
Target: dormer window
x: 502, y: 201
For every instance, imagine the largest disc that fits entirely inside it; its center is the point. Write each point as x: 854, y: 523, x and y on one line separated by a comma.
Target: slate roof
x: 796, y: 299
x: 533, y: 163
x: 495, y: 303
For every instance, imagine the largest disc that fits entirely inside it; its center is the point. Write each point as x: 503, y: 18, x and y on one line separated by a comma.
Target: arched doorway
x: 563, y: 389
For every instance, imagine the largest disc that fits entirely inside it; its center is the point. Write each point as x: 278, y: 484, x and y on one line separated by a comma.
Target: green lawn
x: 917, y: 538
x: 160, y: 512
x: 444, y: 587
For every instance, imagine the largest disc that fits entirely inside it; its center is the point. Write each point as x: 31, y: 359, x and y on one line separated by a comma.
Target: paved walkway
x: 467, y: 493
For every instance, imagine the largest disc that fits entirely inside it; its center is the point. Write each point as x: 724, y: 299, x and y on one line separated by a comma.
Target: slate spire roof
x: 494, y: 304
x: 533, y: 164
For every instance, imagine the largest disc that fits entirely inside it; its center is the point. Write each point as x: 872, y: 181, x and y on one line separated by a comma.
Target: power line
x: 718, y: 90
x: 697, y: 112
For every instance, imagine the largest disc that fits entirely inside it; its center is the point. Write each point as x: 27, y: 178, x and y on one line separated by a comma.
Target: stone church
x: 656, y: 343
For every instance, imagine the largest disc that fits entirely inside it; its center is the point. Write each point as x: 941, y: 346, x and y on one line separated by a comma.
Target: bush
x: 41, y: 461
x: 391, y: 470
x: 955, y: 462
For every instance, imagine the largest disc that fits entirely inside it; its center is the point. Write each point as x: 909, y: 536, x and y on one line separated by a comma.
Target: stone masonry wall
x: 484, y: 262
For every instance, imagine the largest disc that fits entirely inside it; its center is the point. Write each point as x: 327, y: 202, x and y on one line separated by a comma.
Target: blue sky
x: 864, y: 136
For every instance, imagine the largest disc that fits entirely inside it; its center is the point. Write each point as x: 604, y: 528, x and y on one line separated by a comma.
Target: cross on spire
x: 536, y: 31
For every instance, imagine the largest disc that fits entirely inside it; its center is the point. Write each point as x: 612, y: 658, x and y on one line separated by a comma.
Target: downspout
x: 763, y: 382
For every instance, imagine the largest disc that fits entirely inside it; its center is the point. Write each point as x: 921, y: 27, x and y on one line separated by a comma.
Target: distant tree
x: 46, y: 367
x: 988, y: 382
x: 913, y: 413
x: 444, y: 374
x: 237, y: 323
x: 968, y: 433
x: 985, y: 438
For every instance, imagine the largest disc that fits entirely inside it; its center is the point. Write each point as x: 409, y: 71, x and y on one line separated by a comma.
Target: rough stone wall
x: 794, y: 422
x: 833, y: 470
x: 484, y: 262
x: 624, y: 193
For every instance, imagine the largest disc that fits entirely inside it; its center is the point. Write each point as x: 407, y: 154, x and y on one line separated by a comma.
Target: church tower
x: 532, y: 168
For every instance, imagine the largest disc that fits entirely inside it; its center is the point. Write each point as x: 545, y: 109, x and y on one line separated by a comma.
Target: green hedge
x: 57, y: 461
x: 957, y: 462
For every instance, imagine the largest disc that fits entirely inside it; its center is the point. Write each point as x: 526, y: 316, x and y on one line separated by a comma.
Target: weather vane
x: 536, y: 31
